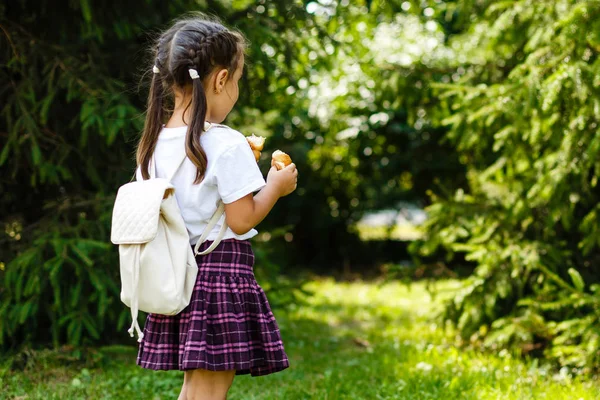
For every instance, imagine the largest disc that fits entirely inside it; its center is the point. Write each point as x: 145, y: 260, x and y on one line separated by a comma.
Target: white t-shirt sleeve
x: 237, y: 173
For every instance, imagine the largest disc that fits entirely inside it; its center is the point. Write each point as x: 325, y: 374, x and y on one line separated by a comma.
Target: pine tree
x: 524, y: 120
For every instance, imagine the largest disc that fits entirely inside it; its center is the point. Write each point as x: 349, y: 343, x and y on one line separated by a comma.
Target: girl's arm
x: 247, y: 212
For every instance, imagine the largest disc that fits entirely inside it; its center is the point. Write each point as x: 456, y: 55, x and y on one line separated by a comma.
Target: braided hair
x: 194, y: 43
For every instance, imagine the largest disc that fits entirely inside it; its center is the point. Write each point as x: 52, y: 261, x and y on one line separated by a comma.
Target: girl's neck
x: 182, y: 113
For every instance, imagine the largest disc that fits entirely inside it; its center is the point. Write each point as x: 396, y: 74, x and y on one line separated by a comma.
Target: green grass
x: 351, y: 341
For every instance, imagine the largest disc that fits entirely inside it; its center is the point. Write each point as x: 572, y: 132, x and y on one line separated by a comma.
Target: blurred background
x: 451, y: 146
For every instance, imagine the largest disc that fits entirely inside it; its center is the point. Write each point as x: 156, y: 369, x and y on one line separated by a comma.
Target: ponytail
x: 152, y: 125
x: 193, y: 148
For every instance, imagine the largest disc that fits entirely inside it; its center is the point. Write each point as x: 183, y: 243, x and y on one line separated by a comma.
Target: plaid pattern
x: 228, y: 324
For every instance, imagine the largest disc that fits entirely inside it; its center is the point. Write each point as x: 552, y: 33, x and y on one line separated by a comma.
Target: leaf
x: 577, y: 279
x: 44, y: 110
x: 90, y: 327
x: 82, y: 256
x: 36, y: 154
x: 25, y: 312
x: 5, y: 152
x: 74, y: 331
x: 86, y: 10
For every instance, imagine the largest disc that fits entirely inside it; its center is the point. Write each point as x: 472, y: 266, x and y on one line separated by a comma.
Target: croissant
x: 281, y: 159
x: 256, y: 144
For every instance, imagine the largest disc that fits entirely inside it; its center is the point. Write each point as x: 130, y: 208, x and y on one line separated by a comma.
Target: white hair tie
x: 155, y: 69
x: 193, y: 73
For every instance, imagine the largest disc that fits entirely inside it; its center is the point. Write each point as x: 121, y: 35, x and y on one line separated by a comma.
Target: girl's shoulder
x: 224, y: 135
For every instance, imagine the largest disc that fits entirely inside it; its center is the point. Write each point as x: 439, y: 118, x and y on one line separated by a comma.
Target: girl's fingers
x: 291, y: 167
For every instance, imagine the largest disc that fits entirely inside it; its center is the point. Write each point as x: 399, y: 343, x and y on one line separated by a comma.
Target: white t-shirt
x: 231, y: 174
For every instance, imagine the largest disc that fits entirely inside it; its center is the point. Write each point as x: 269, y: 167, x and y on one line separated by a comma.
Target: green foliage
x: 369, y: 142
x: 70, y: 117
x: 71, y: 112
x: 488, y: 110
x: 524, y: 120
x: 57, y: 293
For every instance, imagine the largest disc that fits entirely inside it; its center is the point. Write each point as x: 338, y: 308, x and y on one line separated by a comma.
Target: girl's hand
x: 247, y: 212
x: 283, y: 181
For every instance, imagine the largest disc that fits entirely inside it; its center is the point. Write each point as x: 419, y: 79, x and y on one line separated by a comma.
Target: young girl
x: 228, y: 327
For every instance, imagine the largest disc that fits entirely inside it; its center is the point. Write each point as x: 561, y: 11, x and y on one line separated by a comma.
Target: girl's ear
x: 221, y: 80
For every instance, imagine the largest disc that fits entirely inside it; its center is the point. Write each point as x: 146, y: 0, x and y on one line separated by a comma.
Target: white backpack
x: 158, y: 266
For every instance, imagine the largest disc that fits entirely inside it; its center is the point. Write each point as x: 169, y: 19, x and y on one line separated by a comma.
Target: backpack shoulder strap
x: 211, y: 224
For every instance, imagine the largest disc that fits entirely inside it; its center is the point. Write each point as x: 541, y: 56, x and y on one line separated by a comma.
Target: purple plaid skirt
x: 228, y: 324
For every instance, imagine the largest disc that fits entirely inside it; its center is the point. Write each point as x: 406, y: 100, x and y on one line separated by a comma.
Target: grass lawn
x: 351, y: 341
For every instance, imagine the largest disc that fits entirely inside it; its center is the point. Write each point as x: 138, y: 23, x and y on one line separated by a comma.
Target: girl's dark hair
x: 197, y: 43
